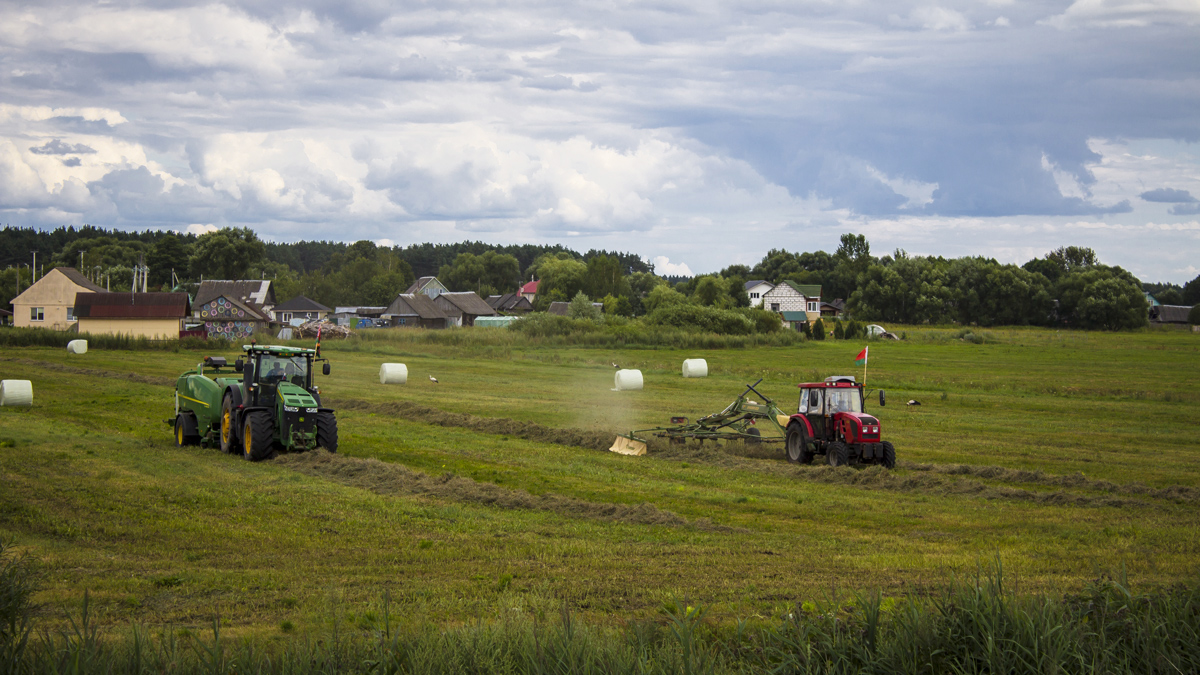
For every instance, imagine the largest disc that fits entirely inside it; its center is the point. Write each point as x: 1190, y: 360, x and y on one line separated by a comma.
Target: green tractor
x: 273, y: 405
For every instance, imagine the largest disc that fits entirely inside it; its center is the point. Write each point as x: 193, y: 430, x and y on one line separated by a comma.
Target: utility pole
x: 33, y: 270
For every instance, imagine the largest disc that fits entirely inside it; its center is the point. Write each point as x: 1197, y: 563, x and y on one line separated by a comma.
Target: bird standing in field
x: 913, y: 401
x: 433, y: 379
x: 616, y: 366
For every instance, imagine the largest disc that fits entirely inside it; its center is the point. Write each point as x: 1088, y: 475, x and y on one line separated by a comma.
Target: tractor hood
x: 295, y: 397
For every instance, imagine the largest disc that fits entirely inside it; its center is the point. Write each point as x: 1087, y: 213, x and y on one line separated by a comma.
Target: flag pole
x: 866, y: 349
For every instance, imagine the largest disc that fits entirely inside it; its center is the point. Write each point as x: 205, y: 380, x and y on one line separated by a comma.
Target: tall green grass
x: 44, y: 337
x: 976, y: 625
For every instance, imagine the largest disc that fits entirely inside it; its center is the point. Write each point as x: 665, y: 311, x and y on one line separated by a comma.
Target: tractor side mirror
x: 882, y: 398
x: 325, y: 368
x: 239, y: 365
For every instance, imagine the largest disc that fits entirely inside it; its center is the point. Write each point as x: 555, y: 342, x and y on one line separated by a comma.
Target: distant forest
x: 1068, y: 286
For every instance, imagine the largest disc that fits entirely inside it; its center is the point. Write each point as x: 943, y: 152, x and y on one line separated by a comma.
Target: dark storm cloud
x: 1168, y: 195
x: 57, y: 147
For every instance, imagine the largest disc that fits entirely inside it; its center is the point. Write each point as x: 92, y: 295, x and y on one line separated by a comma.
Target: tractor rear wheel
x: 889, y: 455
x: 837, y: 453
x: 258, y: 436
x: 797, y: 445
x: 327, y: 431
x: 228, y: 430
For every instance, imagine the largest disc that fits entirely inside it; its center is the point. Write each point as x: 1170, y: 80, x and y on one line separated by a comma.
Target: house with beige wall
x: 50, y: 301
x: 790, y: 296
x: 155, y: 316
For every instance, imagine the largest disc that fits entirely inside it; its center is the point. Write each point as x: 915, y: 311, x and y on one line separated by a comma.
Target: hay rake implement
x: 745, y: 419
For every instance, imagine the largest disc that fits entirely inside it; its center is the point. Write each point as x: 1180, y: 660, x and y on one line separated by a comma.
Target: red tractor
x: 830, y: 421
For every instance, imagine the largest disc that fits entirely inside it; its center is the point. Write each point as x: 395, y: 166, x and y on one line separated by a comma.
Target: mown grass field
x: 1064, y: 455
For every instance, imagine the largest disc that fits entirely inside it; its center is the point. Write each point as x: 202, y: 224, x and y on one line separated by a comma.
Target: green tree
x: 663, y: 296
x: 1191, y: 292
x: 708, y: 290
x: 1194, y: 315
x: 228, y: 253
x: 605, y: 277
x: 1102, y: 298
x: 169, y: 254
x: 1170, y: 296
x: 581, y: 307
x: 818, y: 330
x: 560, y: 278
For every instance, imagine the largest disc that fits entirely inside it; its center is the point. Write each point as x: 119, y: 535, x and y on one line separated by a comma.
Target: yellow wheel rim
x: 179, y: 433
x: 225, y: 424
x: 246, y: 440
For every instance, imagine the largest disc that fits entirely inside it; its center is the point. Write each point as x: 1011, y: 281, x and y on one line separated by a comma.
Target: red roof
x: 530, y: 287
x: 131, y: 305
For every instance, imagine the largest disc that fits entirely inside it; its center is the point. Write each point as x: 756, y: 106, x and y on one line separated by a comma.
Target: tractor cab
x: 831, y: 420
x: 268, y: 370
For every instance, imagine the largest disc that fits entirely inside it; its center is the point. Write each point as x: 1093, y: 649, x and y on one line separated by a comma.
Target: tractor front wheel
x: 258, y: 436
x: 837, y: 453
x: 327, y: 431
x: 889, y: 455
x: 228, y: 437
x: 797, y: 445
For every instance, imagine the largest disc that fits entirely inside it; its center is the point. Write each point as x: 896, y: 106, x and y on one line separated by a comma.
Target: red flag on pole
x: 861, y: 359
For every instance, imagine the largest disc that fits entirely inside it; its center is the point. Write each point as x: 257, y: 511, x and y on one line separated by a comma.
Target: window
x: 803, y: 401
x: 37, y: 313
x: 286, y: 317
x: 754, y: 296
x: 70, y: 314
x: 774, y: 306
x: 812, y: 306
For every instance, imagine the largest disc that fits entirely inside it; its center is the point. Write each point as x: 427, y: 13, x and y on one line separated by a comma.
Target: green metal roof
x: 807, y: 290
x: 795, y: 316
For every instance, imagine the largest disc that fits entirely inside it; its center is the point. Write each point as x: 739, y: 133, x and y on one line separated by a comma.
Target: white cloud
x: 664, y: 267
x: 198, y: 229
x: 1127, y: 13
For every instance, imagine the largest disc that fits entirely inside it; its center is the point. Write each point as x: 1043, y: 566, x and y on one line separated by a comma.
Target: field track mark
x: 393, y: 479
x: 108, y: 374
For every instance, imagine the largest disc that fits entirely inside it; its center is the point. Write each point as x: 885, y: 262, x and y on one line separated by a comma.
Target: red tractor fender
x: 803, y: 421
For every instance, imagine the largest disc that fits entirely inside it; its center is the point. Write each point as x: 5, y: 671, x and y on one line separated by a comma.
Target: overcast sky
x: 697, y: 134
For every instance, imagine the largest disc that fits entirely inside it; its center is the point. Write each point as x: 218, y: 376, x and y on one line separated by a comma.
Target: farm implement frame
x: 739, y: 420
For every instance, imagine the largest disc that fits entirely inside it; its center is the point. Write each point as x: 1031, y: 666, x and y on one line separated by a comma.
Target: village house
x: 50, y: 301
x: 529, y: 291
x: 755, y: 290
x: 1177, y: 314
x: 461, y: 308
x: 155, y: 316
x: 513, y: 303
x: 233, y: 309
x: 430, y: 286
x: 790, y: 296
x: 300, y: 310
x: 414, y: 310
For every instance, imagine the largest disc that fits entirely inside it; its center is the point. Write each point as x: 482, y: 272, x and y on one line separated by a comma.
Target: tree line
x: 1068, y: 286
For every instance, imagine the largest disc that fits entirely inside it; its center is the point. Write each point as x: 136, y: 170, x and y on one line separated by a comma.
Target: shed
x: 414, y: 310
x: 794, y: 320
x: 514, y: 303
x: 495, y: 321
x: 1169, y: 314
x: 157, y: 316
x: 229, y: 318
x: 50, y: 301
x: 462, y: 308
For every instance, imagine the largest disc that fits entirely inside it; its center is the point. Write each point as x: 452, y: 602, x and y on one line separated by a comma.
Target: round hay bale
x: 628, y: 380
x: 77, y: 347
x: 695, y: 368
x: 393, y: 373
x: 16, y: 392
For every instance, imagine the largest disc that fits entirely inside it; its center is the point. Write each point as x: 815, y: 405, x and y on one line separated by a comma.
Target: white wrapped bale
x: 77, y: 347
x: 695, y: 368
x: 628, y: 380
x: 16, y: 392
x: 393, y: 373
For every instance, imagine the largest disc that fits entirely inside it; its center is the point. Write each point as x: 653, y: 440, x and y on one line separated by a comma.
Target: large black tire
x: 753, y: 431
x: 889, y: 455
x: 258, y: 436
x: 228, y: 426
x: 327, y: 431
x: 797, y: 445
x: 837, y: 453
x: 185, y: 430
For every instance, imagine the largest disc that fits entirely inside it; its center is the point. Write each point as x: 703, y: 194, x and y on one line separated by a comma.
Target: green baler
x: 272, y: 405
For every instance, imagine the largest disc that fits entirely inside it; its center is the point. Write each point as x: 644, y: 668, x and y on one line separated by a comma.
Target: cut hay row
x: 393, y: 479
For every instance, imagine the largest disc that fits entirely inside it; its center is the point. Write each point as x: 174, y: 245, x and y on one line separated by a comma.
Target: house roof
x: 469, y: 303
x: 1170, y: 313
x: 5, y: 312
x: 414, y: 304
x: 530, y: 287
x: 807, y: 290
x: 78, y: 279
x: 301, y: 304
x: 131, y: 305
x: 794, y: 316
x: 755, y: 282
x: 256, y: 291
x: 508, y: 301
